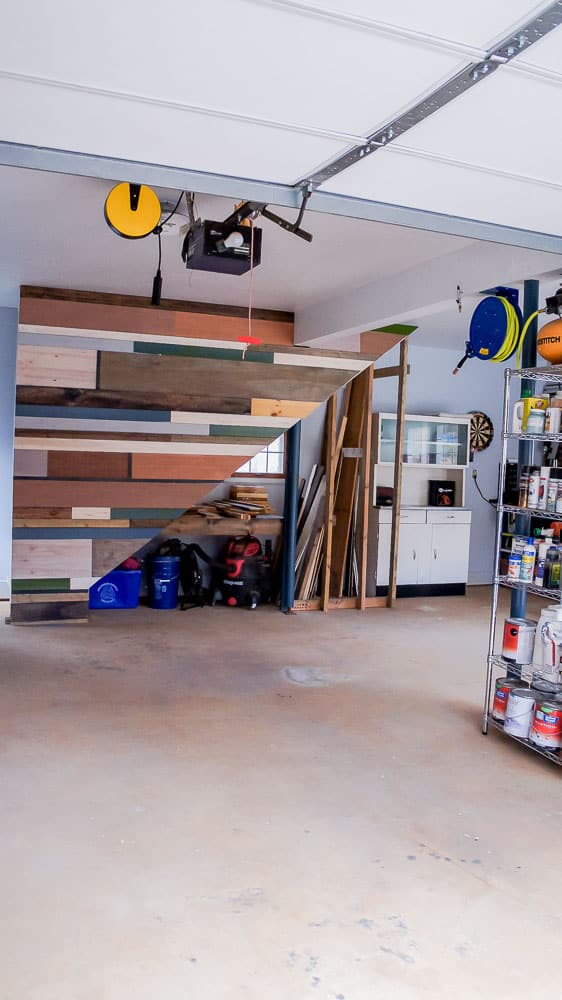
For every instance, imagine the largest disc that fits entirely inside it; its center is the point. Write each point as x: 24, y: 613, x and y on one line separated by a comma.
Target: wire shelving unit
x: 496, y: 664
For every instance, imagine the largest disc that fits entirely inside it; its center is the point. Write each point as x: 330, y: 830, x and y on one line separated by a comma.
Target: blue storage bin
x: 118, y: 589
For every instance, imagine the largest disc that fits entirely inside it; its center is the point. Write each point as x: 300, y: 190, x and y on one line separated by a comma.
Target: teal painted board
x: 224, y: 353
x: 226, y: 430
x: 263, y: 357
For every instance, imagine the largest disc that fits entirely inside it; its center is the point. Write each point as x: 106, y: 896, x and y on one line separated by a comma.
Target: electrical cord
x: 493, y: 503
x: 157, y: 280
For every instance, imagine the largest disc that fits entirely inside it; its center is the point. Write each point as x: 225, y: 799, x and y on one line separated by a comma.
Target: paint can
x: 519, y: 712
x: 547, y: 684
x: 518, y: 640
x: 546, y: 727
x: 503, y: 686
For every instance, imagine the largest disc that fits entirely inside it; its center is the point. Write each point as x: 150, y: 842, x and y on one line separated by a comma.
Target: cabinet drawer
x: 408, y: 515
x: 445, y: 515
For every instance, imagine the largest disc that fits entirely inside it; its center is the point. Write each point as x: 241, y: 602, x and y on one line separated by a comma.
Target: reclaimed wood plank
x: 47, y: 366
x: 92, y: 513
x: 51, y: 492
x: 296, y: 409
x: 147, y: 447
x: 49, y: 611
x: 141, y: 372
x: 48, y: 513
x: 30, y: 463
x: 51, y: 558
x: 108, y: 553
x: 133, y: 400
x: 346, y: 489
x: 71, y: 523
x: 201, y: 467
x: 88, y: 465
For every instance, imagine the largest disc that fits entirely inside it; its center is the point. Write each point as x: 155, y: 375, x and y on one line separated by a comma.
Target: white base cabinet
x: 433, y: 546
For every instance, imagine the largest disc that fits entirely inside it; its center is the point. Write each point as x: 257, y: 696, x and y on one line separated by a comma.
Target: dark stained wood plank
x: 49, y: 611
x: 53, y: 492
x: 127, y: 372
x: 141, y: 302
x: 48, y: 513
x: 88, y: 465
x: 134, y: 400
x: 329, y: 461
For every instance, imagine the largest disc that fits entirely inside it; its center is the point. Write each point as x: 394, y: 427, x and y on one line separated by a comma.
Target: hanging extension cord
x: 493, y: 503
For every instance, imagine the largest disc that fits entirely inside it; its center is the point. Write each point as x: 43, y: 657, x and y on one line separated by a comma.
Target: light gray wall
x: 8, y: 338
x: 433, y: 388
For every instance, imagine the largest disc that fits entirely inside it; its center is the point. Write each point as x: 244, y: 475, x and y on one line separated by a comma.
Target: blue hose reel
x: 494, y: 332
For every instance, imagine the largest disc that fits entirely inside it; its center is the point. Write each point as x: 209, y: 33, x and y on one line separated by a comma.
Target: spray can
x: 552, y: 491
x: 528, y: 562
x: 541, y: 556
x: 534, y: 486
x: 543, y: 487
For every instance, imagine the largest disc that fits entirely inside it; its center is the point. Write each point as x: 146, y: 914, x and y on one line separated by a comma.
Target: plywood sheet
x: 47, y: 366
x: 51, y: 558
x: 194, y: 467
x: 55, y: 492
x: 296, y: 409
x: 87, y: 465
x: 30, y: 463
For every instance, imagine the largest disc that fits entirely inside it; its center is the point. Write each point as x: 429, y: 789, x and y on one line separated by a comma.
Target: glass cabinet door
x: 426, y: 442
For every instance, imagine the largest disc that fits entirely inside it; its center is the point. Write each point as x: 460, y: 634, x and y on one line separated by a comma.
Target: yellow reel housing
x: 132, y: 210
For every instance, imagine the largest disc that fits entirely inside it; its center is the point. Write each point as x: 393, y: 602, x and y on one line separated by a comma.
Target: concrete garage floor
x: 220, y: 805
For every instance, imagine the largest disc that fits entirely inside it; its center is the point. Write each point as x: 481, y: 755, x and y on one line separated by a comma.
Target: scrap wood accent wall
x: 126, y: 416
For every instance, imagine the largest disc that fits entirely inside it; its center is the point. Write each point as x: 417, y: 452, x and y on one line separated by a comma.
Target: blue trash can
x: 163, y: 582
x: 118, y: 589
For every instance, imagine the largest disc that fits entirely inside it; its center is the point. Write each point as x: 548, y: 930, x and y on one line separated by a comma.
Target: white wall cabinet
x: 433, y: 546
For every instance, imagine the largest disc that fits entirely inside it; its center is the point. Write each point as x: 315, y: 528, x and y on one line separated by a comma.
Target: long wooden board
x: 141, y: 372
x: 87, y: 465
x: 215, y: 468
x: 54, y: 492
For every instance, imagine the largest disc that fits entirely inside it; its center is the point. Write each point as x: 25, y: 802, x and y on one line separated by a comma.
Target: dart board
x: 481, y: 431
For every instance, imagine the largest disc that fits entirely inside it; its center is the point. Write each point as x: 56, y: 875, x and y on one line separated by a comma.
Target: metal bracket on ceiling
x: 535, y: 29
x: 251, y: 209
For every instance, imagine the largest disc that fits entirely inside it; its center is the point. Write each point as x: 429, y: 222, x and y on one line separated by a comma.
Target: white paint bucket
x: 518, y: 640
x: 546, y: 727
x: 519, y: 712
x: 548, y: 614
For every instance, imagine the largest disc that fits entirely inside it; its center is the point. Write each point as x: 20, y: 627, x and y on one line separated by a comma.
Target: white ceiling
x: 273, y: 89
x: 53, y: 233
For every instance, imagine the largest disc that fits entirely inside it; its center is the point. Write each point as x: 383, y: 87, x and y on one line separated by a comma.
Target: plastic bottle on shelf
x: 528, y: 562
x: 539, y: 569
x: 514, y: 566
x: 551, y: 578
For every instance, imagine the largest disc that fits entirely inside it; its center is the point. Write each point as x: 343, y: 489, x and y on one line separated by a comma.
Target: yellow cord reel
x: 496, y: 329
x: 132, y: 210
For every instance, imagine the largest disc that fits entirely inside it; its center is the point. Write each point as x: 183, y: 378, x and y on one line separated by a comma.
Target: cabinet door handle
x: 435, y: 553
x: 414, y: 553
